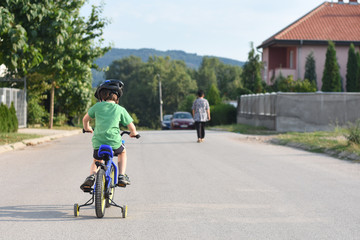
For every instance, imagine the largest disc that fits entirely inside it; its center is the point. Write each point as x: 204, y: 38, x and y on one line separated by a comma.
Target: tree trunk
x: 52, y: 94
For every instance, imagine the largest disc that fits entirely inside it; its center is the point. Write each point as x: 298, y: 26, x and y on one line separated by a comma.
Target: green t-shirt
x: 108, y: 116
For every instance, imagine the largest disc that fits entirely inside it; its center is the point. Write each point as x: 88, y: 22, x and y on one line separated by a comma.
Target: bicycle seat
x: 105, y: 151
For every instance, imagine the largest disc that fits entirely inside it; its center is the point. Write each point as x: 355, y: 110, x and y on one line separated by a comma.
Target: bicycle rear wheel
x: 112, y: 187
x: 100, y: 198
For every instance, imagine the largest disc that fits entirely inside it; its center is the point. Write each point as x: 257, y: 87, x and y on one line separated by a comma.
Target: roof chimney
x: 353, y: 2
x: 341, y: 1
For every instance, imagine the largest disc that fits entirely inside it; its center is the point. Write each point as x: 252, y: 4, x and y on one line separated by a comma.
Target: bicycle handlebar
x: 122, y: 133
x: 128, y: 133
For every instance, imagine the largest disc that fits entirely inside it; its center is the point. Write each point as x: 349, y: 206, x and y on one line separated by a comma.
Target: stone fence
x: 300, y: 112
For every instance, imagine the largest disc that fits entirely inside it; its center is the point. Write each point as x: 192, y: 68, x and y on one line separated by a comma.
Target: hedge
x: 222, y: 114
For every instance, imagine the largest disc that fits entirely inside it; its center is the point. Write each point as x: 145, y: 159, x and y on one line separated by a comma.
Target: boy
x: 108, y: 115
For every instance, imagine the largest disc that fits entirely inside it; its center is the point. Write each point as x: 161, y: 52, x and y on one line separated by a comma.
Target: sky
x: 222, y: 28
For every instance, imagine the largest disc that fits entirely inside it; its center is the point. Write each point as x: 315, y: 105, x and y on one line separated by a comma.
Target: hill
x: 192, y: 60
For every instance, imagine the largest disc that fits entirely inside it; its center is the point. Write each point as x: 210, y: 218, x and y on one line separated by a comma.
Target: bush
x: 222, y: 114
x: 8, y: 119
x: 36, y: 113
x: 353, y: 132
x: 60, y: 119
x: 288, y: 84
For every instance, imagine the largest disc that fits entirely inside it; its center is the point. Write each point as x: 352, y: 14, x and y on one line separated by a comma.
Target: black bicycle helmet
x: 114, y: 85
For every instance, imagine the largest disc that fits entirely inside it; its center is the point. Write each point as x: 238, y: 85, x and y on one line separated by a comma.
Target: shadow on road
x: 26, y: 213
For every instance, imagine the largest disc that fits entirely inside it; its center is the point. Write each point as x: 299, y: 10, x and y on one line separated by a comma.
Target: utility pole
x: 160, y: 98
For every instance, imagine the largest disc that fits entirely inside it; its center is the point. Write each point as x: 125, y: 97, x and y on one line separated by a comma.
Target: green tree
x: 358, y: 72
x: 207, y: 73
x: 251, y: 74
x: 186, y: 104
x: 214, y: 95
x: 227, y: 78
x: 141, y: 91
x: 310, y: 69
x: 331, y: 80
x: 352, y: 70
x: 52, y: 39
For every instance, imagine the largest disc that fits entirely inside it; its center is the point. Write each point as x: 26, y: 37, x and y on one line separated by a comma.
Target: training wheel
x: 76, y: 210
x: 124, y: 211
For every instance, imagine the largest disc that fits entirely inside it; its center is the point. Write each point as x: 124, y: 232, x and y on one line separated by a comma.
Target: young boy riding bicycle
x: 108, y: 116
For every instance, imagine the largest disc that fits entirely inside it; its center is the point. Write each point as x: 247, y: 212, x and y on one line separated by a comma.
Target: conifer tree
x: 251, y: 74
x: 331, y: 80
x: 310, y: 69
x: 358, y: 72
x: 214, y: 95
x: 352, y: 70
x: 13, y: 118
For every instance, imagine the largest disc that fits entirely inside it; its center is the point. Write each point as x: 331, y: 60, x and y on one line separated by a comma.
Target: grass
x: 333, y: 142
x: 8, y: 138
x: 244, y: 129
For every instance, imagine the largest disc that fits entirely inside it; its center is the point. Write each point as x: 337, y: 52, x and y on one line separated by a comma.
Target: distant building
x: 286, y: 51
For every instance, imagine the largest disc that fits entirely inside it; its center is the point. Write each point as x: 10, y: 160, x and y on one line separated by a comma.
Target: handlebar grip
x: 128, y: 133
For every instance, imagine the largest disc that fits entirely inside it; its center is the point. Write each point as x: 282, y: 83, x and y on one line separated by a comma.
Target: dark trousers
x: 200, y: 129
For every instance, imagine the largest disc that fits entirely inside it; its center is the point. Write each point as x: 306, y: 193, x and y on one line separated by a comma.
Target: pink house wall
x: 319, y: 55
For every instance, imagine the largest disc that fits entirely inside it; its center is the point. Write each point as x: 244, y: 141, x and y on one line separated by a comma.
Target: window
x: 291, y: 64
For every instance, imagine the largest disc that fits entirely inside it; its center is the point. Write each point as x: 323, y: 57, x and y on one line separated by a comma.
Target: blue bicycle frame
x: 106, y: 153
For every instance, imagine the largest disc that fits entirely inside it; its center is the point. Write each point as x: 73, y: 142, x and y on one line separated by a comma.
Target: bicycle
x: 105, y: 183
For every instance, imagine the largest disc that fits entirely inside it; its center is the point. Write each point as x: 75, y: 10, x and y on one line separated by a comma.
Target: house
x: 286, y: 51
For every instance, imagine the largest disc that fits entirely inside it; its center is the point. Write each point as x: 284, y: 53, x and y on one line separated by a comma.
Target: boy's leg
x: 122, y: 161
x: 89, y: 181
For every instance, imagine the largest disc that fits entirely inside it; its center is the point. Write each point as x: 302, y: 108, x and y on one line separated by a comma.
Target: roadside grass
x: 8, y: 138
x: 244, y: 129
x: 334, y: 143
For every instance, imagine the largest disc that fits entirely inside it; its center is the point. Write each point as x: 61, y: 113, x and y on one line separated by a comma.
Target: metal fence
x: 18, y: 97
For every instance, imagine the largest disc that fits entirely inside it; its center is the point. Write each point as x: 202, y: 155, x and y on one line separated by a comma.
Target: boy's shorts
x: 116, y: 152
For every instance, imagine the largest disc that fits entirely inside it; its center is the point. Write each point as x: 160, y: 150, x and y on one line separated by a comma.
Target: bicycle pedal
x: 87, y: 189
x: 122, y: 185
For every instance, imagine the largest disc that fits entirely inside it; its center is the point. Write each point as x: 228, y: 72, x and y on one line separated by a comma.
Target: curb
x: 35, y: 141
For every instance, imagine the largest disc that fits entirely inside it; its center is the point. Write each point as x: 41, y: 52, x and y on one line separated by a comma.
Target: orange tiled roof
x: 329, y: 21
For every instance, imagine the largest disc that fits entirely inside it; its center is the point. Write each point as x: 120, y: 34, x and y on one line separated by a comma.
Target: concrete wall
x: 300, y: 112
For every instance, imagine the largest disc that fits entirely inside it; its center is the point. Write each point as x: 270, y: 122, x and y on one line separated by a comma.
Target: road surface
x: 224, y: 188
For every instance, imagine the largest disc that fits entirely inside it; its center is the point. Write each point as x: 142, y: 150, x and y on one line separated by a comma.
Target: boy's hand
x: 133, y: 134
x: 89, y: 130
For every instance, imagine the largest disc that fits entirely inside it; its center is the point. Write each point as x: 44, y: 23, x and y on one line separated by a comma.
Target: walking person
x: 201, y: 114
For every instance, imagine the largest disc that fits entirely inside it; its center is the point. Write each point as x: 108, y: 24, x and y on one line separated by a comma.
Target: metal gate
x: 18, y: 97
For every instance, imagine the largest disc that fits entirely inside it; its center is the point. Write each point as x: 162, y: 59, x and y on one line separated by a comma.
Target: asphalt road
x: 224, y: 188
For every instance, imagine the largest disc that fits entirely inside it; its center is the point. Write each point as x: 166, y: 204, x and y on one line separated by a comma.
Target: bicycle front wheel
x: 100, y: 198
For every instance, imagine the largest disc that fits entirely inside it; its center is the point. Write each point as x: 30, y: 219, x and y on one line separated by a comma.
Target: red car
x: 182, y: 120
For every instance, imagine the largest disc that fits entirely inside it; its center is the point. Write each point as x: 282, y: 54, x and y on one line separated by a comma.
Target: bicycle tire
x: 100, y: 194
x: 112, y: 188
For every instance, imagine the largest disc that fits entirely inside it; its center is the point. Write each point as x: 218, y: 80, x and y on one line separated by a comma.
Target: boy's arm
x: 86, y: 123
x: 132, y: 129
